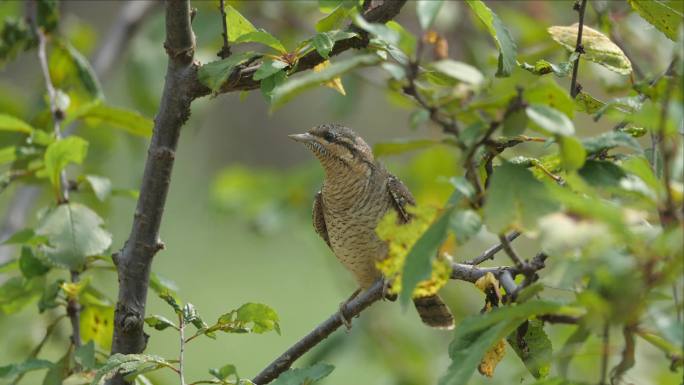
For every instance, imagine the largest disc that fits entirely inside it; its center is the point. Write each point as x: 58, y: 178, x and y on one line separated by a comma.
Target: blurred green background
x: 237, y: 222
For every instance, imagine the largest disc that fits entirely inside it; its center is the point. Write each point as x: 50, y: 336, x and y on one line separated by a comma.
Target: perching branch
x: 491, y: 252
x: 134, y: 260
x: 461, y: 272
x: 579, y: 6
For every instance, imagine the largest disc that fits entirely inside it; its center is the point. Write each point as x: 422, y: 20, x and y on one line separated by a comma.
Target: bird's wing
x: 401, y: 197
x: 319, y: 219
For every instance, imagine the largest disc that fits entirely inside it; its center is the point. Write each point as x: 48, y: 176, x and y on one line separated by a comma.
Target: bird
x: 356, y: 194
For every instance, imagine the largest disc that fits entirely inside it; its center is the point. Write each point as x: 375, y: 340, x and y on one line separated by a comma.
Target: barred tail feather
x: 434, y: 312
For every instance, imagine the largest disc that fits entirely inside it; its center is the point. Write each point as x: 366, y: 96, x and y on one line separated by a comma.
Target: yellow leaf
x: 335, y: 83
x: 400, y: 239
x: 97, y: 324
x: 73, y: 289
x: 492, y: 358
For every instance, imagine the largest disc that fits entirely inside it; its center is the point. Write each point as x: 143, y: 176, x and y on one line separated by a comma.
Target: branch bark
x: 461, y: 272
x: 242, y: 77
x: 134, y: 260
x: 575, y: 88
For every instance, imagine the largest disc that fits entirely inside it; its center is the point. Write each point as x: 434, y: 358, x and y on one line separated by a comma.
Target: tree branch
x: 134, y: 260
x: 225, y: 50
x: 574, y: 87
x: 491, y: 252
x: 241, y: 78
x: 461, y: 272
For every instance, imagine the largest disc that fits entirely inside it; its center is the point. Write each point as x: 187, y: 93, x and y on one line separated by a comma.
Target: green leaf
x: 25, y: 236
x: 162, y: 285
x: 335, y: 18
x: 609, y: 140
x: 401, y: 146
x: 237, y: 24
x: 48, y: 300
x: 502, y: 37
x: 572, y: 153
x: 304, y: 376
x: 543, y: 67
x: 587, y: 103
x: 323, y: 44
x: 666, y: 19
x: 190, y: 315
x: 293, y: 86
x: 261, y: 317
x: 515, y: 199
x: 15, y: 37
x: 29, y: 365
x: 127, y: 363
x: 224, y: 372
x: 475, y: 335
x: 547, y: 91
x: 17, y: 292
x: 270, y: 83
x: 10, y: 123
x: 47, y: 13
x: 268, y: 67
x: 62, y: 152
x: 30, y: 265
x: 55, y: 375
x: 74, y: 232
x: 85, y: 355
x: 262, y: 37
x: 515, y: 123
x: 550, y: 120
x: 533, y: 347
x: 101, y: 186
x: 84, y: 71
x: 601, y: 173
x: 381, y: 31
x: 459, y: 71
x: 159, y: 322
x: 214, y: 74
x: 127, y: 120
x: 171, y: 300
x: 427, y: 12
x: 418, y: 265
x: 465, y: 224
x: 597, y: 47
x: 8, y: 155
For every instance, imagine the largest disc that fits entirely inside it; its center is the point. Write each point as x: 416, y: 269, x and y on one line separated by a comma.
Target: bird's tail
x: 434, y: 312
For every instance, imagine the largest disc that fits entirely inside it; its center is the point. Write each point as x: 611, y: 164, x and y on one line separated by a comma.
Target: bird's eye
x: 329, y: 136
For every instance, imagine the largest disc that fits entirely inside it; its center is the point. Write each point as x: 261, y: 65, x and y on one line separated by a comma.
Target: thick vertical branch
x: 579, y: 49
x: 134, y: 260
x: 225, y: 49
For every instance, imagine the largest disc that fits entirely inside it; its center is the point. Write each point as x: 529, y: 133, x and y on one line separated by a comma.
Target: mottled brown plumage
x: 357, y: 192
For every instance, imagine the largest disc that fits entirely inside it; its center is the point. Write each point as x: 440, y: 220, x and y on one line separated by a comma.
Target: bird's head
x: 336, y: 145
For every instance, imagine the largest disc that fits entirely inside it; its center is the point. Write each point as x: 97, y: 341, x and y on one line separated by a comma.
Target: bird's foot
x: 387, y: 291
x: 346, y: 321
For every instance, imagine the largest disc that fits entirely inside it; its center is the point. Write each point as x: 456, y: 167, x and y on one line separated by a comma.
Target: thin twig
x: 34, y: 353
x: 668, y: 214
x: 510, y: 252
x: 181, y: 331
x: 491, y: 252
x: 579, y: 49
x: 225, y: 50
x: 73, y: 310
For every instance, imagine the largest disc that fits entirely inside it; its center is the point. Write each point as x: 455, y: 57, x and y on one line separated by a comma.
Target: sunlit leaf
x: 122, y: 118
x: 62, y: 152
x: 597, y: 47
x: 84, y: 71
x: 237, y: 24
x: 101, y: 186
x: 262, y: 37
x: 334, y: 83
x: 10, y: 123
x: 97, y: 325
x: 502, y: 37
x: 546, y: 91
x: 259, y: 318
x: 572, y: 153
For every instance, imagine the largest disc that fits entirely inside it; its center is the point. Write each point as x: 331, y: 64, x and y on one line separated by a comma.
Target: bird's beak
x: 302, y: 138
